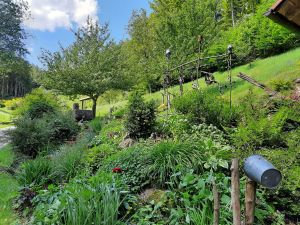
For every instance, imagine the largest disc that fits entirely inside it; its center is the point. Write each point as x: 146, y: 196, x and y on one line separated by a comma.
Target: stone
x: 126, y: 143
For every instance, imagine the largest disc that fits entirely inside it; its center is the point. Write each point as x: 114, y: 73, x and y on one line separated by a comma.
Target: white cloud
x: 52, y: 14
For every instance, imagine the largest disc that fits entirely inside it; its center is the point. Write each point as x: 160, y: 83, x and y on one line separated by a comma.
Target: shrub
x: 96, y: 155
x: 262, y: 132
x: 78, y: 203
x: 62, y: 125
x: 120, y: 112
x: 35, y: 172
x: 287, y: 195
x: 179, y: 128
x: 96, y: 124
x: 206, y: 107
x: 33, y: 136
x: 30, y: 136
x: 282, y: 85
x: 157, y: 163
x: 37, y: 103
x: 12, y: 104
x: 2, y: 105
x: 140, y: 121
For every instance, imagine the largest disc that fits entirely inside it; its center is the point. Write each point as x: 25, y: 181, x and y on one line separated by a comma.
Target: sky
x: 50, y: 21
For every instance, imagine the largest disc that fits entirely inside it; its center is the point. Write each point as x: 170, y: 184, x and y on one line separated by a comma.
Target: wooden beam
x: 235, y: 192
x: 216, y: 204
x: 250, y: 198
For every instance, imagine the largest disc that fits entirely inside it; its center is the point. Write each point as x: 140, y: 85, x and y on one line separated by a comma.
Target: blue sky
x: 51, y: 21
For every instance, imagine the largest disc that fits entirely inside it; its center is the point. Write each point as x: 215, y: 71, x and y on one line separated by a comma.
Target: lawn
x: 281, y: 67
x: 8, y: 188
x: 6, y: 156
x: 5, y: 118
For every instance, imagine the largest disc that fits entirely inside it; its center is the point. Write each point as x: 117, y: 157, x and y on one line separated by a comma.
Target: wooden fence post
x: 250, y: 198
x: 216, y: 204
x: 235, y: 192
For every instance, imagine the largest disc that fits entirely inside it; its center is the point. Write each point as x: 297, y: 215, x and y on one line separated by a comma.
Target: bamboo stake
x: 235, y: 192
x: 250, y: 198
x: 216, y: 204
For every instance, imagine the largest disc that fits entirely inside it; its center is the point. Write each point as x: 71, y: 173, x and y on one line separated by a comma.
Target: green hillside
x: 281, y: 67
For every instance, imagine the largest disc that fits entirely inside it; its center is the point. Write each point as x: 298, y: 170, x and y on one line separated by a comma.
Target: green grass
x: 281, y: 67
x: 8, y: 188
x: 5, y: 118
x: 8, y: 191
x: 6, y: 156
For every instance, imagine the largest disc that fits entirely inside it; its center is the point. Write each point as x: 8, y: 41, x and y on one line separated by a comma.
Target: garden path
x: 4, y: 139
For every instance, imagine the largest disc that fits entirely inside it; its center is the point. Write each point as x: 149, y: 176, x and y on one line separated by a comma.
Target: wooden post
x: 168, y: 100
x: 250, y: 198
x: 235, y: 192
x: 216, y: 204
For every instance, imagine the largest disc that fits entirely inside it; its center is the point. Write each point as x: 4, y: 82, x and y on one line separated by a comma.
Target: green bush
x: 38, y: 103
x: 262, y: 132
x: 33, y: 136
x: 62, y: 126
x: 282, y: 85
x: 96, y: 155
x: 287, y: 195
x: 35, y: 172
x: 254, y: 36
x: 96, y: 124
x: 78, y: 203
x: 206, y: 107
x: 140, y: 121
x: 157, y: 163
x: 2, y: 105
x: 120, y: 112
x: 13, y: 103
x: 178, y: 127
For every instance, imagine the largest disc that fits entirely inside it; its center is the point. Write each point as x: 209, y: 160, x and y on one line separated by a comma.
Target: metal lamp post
x: 167, y: 78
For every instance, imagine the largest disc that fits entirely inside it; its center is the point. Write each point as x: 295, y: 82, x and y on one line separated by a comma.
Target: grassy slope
x: 8, y: 188
x: 282, y: 67
x: 5, y: 117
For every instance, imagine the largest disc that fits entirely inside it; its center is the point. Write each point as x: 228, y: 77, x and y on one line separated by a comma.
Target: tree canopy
x: 176, y: 24
x: 14, y: 69
x: 90, y: 66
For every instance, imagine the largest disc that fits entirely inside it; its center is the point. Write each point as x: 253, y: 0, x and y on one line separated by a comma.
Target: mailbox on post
x: 258, y: 169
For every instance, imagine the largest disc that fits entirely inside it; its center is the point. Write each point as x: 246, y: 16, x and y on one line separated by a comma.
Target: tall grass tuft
x: 68, y: 162
x: 37, y: 172
x: 92, y: 206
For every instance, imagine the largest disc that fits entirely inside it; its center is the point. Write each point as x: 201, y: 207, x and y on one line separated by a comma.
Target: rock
x: 153, y: 194
x: 126, y: 143
x: 297, y: 81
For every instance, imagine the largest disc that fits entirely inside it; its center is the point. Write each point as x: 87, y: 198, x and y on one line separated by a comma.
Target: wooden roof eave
x: 278, y: 18
x: 283, y: 11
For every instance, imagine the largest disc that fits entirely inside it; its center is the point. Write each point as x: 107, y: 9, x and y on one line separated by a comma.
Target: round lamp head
x: 168, y: 53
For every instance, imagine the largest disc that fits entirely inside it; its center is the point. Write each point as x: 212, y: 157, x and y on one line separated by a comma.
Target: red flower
x: 117, y: 170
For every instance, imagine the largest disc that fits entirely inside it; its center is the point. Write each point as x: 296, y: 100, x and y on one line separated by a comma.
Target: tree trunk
x: 235, y: 192
x: 95, y: 98
x: 250, y: 198
x: 150, y: 90
x: 232, y: 13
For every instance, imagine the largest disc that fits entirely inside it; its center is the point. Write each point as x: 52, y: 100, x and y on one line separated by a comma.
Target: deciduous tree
x: 90, y: 66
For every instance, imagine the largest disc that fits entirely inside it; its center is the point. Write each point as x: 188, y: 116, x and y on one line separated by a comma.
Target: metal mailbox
x: 257, y: 168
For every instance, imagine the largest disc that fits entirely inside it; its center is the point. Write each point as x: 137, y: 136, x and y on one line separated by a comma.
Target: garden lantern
x: 168, y: 54
x: 230, y: 49
x: 258, y: 169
